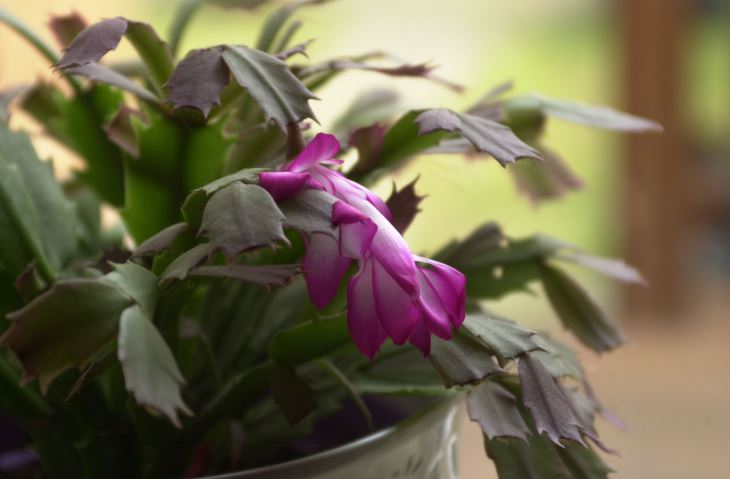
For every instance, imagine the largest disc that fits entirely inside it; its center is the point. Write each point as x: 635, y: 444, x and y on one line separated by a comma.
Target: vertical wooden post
x: 658, y: 169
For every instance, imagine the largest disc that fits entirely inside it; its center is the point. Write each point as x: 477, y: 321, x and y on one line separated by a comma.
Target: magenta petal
x: 436, y: 316
x: 394, y: 255
x: 323, y: 268
x: 362, y: 321
x: 283, y: 185
x: 422, y: 340
x: 449, y: 284
x: 356, y: 238
x: 377, y: 202
x: 344, y: 213
x: 356, y: 230
x: 322, y: 149
x: 397, y: 311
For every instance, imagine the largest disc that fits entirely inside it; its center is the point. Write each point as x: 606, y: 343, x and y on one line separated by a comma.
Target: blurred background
x: 661, y: 201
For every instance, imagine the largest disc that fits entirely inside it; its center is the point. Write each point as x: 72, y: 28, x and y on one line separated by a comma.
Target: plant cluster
x: 269, y: 286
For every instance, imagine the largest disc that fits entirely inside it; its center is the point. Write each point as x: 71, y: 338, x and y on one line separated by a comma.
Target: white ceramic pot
x: 421, y: 447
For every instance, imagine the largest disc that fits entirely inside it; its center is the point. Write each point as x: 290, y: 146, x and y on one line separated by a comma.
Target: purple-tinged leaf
x: 403, y: 141
x: 242, y: 217
x: 544, y: 248
x: 608, y: 415
x: 461, y: 360
x: 488, y: 106
x: 585, y: 408
x: 153, y: 51
x: 547, y: 402
x: 93, y: 43
x: 406, y: 69
x: 496, y: 266
x: 374, y: 106
x: 44, y: 334
x: 97, y: 40
x: 66, y: 27
x: 286, y: 37
x: 100, y: 73
x: 310, y: 212
x: 161, y: 241
x: 404, y: 206
x: 596, y: 116
x: 186, y: 262
x: 299, y: 49
x: 559, y: 359
x: 538, y: 458
x: 613, y: 268
x: 504, y: 338
x: 418, y: 70
x: 29, y: 284
x: 497, y: 411
x: 150, y: 371
x: 484, y: 240
x: 282, y: 97
x: 194, y: 204
x: 485, y: 135
x: 198, y: 80
x: 578, y: 312
x: 269, y: 275
x: 368, y: 141
x: 584, y: 462
x: 413, y: 70
x: 137, y: 283
x: 242, y: 4
x: 544, y: 180
x: 276, y: 21
x: 121, y: 131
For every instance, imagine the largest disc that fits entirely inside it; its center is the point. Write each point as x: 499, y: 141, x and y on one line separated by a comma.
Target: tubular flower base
x: 395, y: 293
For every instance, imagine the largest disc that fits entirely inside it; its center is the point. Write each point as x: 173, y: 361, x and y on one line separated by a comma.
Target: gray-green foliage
x: 208, y: 316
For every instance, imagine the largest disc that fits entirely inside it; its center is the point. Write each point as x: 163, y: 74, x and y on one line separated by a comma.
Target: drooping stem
x: 340, y: 377
x: 154, y: 54
x: 30, y: 36
x: 24, y: 31
x: 184, y: 14
x: 240, y: 391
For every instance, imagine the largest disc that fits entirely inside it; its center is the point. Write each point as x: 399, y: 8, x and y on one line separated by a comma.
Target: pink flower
x: 395, y: 293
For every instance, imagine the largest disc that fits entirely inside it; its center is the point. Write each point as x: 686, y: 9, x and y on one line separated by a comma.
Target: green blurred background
x: 672, y: 384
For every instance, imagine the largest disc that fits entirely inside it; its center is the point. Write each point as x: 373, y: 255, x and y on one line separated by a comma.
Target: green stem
x: 182, y: 18
x: 59, y: 457
x: 155, y: 55
x: 24, y: 31
x: 294, y: 140
x: 339, y: 376
x: 239, y: 391
x: 212, y: 362
x: 30, y: 36
x: 244, y: 388
x: 524, y: 116
x: 16, y: 400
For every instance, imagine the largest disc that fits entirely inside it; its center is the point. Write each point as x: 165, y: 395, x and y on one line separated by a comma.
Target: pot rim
x: 447, y: 405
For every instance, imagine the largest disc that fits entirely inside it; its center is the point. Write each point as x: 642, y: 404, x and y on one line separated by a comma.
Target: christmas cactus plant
x: 253, y: 285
